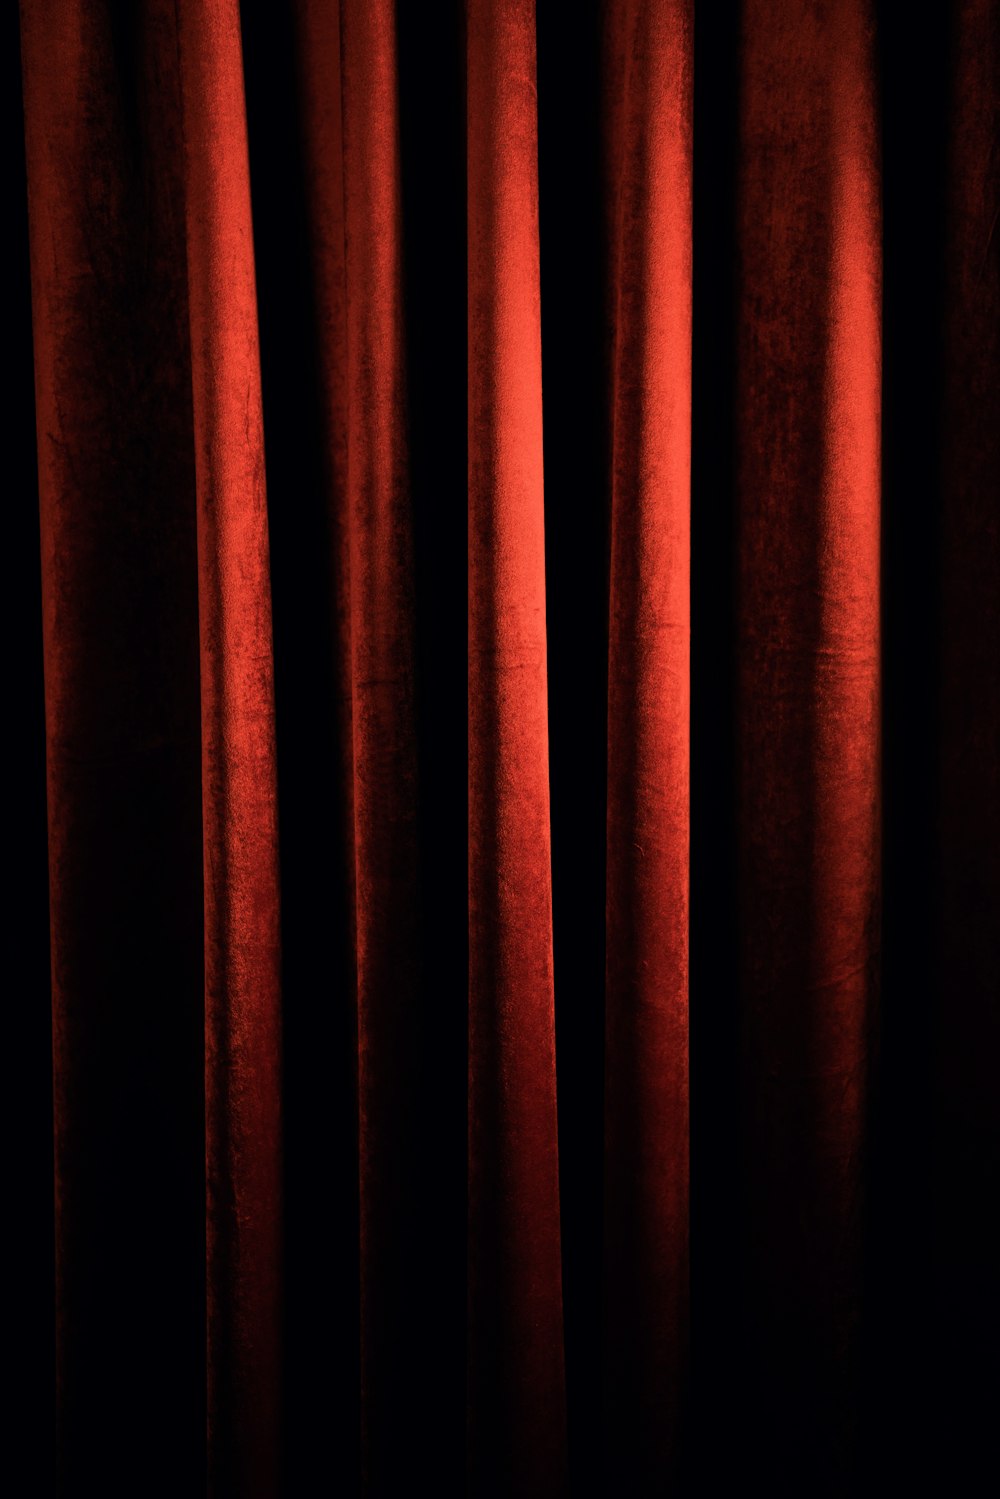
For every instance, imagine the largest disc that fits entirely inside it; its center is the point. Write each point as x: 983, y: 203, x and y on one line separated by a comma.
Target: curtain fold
x: 384, y: 756
x: 120, y: 598
x: 518, y: 498
x: 238, y: 782
x: 966, y: 1022
x: 516, y: 1376
x: 649, y: 114
x: 808, y: 372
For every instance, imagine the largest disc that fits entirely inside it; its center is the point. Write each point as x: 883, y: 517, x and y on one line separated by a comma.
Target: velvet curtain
x: 518, y: 620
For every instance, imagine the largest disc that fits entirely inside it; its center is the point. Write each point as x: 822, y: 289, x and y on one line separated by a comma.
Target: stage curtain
x: 508, y: 502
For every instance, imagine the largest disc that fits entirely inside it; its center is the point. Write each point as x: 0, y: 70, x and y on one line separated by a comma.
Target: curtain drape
x: 511, y: 849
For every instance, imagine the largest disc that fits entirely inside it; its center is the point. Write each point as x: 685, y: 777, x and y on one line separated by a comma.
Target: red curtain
x: 520, y: 561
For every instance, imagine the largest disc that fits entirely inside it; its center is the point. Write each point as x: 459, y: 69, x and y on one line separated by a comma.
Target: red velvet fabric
x: 238, y: 782
x: 649, y: 112
x: 518, y: 628
x: 808, y: 409
x: 516, y: 1372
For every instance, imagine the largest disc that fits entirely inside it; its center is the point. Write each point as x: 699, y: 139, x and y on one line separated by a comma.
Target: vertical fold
x: 649, y: 109
x: 319, y: 74
x: 516, y: 1377
x: 119, y: 621
x: 808, y: 425
x: 396, y: 1416
x: 966, y: 1016
x: 242, y: 993
x: 322, y: 1308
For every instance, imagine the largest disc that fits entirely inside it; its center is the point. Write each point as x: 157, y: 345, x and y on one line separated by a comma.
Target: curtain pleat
x: 965, y: 1027
x: 120, y: 598
x: 646, y: 1101
x: 522, y: 839
x: 516, y: 1375
x: 808, y: 393
x: 239, y: 809
x: 376, y: 500
x: 318, y: 74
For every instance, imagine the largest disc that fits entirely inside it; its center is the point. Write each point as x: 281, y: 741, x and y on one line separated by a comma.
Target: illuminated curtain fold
x: 519, y: 572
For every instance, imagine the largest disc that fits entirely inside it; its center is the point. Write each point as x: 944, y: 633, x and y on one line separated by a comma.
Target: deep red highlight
x: 809, y: 492
x: 646, y: 1101
x: 242, y: 989
x: 516, y: 1379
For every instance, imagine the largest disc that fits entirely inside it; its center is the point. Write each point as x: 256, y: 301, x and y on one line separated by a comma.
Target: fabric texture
x: 517, y: 623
